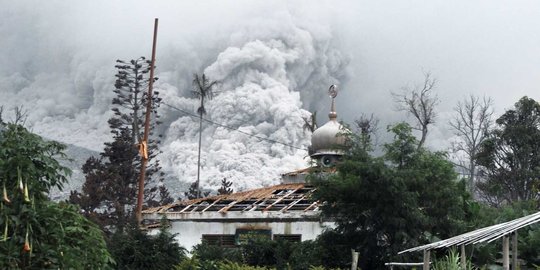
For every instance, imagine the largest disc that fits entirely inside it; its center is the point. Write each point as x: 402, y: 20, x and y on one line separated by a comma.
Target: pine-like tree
x: 225, y: 187
x: 194, y: 193
x: 109, y: 192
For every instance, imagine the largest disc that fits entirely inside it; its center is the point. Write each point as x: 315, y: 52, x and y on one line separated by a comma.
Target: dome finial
x: 332, y: 91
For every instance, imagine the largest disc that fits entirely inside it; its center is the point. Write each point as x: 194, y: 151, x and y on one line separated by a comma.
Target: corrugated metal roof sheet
x: 283, y: 197
x: 482, y: 235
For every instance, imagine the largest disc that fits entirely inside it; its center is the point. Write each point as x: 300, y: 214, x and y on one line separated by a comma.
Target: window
x: 223, y: 240
x: 288, y: 237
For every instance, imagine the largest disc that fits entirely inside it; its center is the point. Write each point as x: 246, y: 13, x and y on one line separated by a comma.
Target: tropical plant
x: 451, y: 261
x: 203, y: 90
x: 38, y: 233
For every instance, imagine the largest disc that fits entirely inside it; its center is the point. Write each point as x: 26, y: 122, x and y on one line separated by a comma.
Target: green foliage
x: 510, y: 157
x: 38, y: 233
x: 306, y: 255
x: 67, y: 235
x: 260, y: 253
x: 110, y: 190
x: 384, y: 205
x: 26, y: 157
x: 195, y: 264
x: 332, y: 245
x: 134, y: 249
x: 206, y: 252
x: 451, y: 261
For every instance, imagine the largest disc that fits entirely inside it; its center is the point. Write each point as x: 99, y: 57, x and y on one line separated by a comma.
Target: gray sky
x: 57, y: 60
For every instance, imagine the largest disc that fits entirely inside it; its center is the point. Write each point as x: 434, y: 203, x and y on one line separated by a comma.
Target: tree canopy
x: 510, y: 156
x: 109, y: 192
x: 39, y: 233
x: 382, y: 205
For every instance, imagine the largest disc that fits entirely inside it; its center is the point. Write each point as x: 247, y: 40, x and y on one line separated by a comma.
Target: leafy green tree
x: 109, y: 192
x: 510, y: 156
x: 38, y: 233
x: 430, y: 176
x: 383, y: 205
x: 134, y: 249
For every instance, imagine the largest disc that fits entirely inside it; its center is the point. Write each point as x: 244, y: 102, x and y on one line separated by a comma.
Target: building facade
x: 285, y: 211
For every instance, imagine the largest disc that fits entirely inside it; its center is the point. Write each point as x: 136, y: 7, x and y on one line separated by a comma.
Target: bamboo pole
x: 426, y: 259
x: 140, y: 194
x: 463, y: 257
x: 515, y: 250
x: 506, y: 255
x: 354, y: 264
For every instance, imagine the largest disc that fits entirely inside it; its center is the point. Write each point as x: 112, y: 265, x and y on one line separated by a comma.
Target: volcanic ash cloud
x: 259, y: 90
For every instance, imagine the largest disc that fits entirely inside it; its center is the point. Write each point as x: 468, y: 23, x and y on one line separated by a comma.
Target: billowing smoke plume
x: 269, y: 71
x: 273, y: 59
x: 261, y: 81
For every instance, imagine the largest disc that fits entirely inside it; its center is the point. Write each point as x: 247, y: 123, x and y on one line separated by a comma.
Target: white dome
x: 327, y: 139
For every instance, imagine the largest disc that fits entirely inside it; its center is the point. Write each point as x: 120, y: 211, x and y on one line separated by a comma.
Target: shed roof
x: 482, y: 235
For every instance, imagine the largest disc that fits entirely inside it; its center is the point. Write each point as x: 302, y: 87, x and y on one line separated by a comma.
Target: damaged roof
x: 283, y: 198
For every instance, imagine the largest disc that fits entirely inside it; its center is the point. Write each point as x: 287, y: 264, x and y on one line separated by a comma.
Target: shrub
x: 134, y: 249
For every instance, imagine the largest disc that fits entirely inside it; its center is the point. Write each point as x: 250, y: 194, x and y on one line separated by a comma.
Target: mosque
x: 285, y: 211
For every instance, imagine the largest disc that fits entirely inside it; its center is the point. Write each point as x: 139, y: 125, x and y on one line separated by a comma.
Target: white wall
x: 189, y: 233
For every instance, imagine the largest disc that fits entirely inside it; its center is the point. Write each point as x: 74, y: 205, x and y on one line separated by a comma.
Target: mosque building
x: 284, y: 211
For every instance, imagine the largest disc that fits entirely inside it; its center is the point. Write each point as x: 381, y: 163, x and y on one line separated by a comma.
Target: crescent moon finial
x: 333, y: 91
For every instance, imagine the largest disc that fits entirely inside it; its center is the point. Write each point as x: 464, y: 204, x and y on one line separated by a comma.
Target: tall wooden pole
x: 144, y: 159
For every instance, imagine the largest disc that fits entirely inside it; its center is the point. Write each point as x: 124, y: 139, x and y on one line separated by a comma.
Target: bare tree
x: 420, y: 102
x: 21, y: 115
x: 471, y: 123
x: 203, y: 90
x: 368, y: 125
x: 310, y: 123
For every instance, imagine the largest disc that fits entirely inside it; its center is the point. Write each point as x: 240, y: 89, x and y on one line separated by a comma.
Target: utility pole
x: 144, y: 144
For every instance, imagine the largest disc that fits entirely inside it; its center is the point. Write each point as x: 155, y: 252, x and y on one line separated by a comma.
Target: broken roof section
x: 282, y: 198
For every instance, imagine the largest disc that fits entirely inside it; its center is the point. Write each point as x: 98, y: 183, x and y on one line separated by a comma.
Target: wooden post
x: 426, y: 259
x: 144, y: 160
x: 354, y: 264
x: 463, y: 257
x: 506, y: 253
x: 515, y: 251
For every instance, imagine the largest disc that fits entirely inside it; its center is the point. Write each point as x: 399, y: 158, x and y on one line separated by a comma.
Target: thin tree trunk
x: 199, y: 157
x: 423, y: 138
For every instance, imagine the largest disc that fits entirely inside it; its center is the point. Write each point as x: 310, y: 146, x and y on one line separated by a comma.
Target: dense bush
x: 206, y: 252
x: 264, y: 254
x: 134, y: 249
